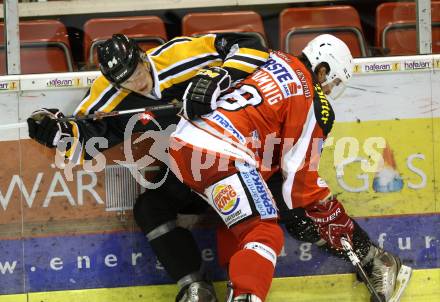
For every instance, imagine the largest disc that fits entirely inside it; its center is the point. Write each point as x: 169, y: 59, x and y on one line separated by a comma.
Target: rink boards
x: 70, y: 239
x: 124, y: 259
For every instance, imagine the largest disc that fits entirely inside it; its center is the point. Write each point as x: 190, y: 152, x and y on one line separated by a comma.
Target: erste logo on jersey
x: 285, y: 84
x: 225, y: 199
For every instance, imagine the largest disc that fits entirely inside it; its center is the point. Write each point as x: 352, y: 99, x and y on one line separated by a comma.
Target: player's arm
x: 101, y: 97
x: 240, y: 55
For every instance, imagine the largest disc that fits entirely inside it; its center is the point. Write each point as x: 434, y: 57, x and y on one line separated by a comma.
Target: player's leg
x: 251, y: 268
x: 240, y: 197
x: 245, y: 204
x: 156, y: 212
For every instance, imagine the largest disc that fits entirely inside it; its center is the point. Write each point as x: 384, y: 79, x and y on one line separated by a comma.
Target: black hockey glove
x: 202, y: 92
x: 45, y: 129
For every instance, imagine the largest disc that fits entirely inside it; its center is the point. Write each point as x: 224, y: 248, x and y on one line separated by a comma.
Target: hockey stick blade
x: 357, y: 264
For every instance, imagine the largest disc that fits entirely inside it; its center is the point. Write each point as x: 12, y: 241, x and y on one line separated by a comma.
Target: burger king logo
x: 225, y: 199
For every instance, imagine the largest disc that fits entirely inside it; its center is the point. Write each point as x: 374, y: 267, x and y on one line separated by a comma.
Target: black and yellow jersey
x: 173, y: 64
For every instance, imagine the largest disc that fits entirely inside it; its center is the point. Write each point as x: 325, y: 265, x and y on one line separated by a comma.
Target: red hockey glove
x: 332, y: 222
x: 201, y: 95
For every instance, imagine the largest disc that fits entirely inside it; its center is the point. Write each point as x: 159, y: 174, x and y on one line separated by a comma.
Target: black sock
x: 178, y: 253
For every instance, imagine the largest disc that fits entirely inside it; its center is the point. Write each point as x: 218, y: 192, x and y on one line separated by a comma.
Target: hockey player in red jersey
x: 276, y: 121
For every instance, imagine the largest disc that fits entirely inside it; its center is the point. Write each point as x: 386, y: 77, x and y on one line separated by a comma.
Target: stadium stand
x: 301, y: 24
x: 42, y: 41
x: 249, y: 22
x: 396, y: 28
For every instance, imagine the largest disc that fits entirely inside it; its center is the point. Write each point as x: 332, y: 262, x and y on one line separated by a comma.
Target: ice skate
x: 388, y: 275
x: 246, y: 298
x: 239, y: 298
x: 200, y: 291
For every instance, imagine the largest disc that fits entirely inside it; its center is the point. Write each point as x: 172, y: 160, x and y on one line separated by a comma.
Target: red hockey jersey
x: 277, y: 119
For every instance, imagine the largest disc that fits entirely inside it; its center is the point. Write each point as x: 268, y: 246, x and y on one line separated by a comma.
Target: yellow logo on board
x: 13, y: 85
x: 9, y: 85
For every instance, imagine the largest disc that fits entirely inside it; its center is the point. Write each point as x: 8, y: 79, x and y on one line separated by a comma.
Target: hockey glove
x: 45, y: 129
x: 201, y: 95
x: 332, y: 222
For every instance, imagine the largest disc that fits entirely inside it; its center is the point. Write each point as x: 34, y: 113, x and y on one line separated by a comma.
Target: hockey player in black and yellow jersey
x: 199, y: 68
x: 192, y: 70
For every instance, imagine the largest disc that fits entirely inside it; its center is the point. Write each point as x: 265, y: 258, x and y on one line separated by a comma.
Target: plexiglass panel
x: 69, y: 233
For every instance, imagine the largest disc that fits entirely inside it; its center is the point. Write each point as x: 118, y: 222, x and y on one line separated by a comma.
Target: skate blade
x: 401, y: 282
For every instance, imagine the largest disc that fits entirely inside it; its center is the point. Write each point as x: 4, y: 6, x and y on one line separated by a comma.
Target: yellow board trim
x: 423, y: 287
x: 14, y: 298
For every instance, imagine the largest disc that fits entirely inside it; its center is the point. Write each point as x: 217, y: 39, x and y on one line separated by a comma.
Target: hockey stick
x: 364, y: 89
x: 99, y: 115
x: 357, y: 264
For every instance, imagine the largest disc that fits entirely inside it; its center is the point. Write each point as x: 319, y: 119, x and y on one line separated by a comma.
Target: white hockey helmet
x: 333, y: 51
